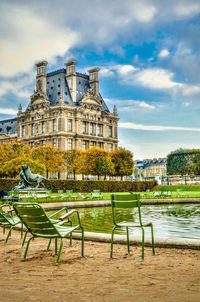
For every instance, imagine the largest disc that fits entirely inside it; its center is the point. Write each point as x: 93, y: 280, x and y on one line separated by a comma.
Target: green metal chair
x: 40, y: 225
x: 96, y: 194
x: 9, y: 219
x: 128, y: 201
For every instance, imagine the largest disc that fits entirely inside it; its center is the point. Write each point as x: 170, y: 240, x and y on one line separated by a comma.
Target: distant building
x: 154, y: 167
x: 150, y: 168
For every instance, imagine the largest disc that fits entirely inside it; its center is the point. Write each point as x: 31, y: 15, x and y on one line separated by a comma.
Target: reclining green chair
x: 9, y: 219
x: 96, y: 194
x: 40, y: 225
x: 128, y: 201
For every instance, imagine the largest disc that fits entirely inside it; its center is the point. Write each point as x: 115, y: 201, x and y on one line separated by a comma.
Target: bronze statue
x: 26, y: 177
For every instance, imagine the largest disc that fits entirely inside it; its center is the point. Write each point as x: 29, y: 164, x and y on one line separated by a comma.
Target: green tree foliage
x: 74, y: 161
x: 123, y: 162
x: 184, y: 162
x: 51, y: 157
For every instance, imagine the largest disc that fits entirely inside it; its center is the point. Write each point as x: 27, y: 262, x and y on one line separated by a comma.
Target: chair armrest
x: 3, y: 205
x: 68, y: 214
x: 52, y: 215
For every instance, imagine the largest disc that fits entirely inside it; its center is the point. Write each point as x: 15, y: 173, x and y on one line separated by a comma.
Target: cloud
x: 26, y: 38
x: 157, y: 78
x: 8, y: 111
x: 163, y: 53
x: 191, y: 90
x: 18, y: 87
x: 132, y: 105
x: 155, y: 127
x: 124, y: 70
x: 187, y: 9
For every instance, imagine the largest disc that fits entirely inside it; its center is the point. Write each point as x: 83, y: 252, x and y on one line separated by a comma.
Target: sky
x: 148, y: 52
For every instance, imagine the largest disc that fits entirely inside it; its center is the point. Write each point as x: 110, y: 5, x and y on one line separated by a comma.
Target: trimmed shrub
x: 86, y: 185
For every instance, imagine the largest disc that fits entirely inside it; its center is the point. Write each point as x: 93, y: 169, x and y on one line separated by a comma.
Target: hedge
x: 174, y: 188
x: 86, y: 185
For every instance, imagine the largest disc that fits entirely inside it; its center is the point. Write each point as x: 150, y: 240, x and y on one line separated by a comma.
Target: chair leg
x: 56, y: 246
x: 60, y: 249
x: 9, y: 234
x: 82, y: 250
x: 152, y: 236
x: 27, y: 246
x: 142, y: 244
x: 128, y: 243
x: 24, y: 238
x: 112, y: 237
x: 21, y: 230
x: 49, y: 244
x: 71, y: 239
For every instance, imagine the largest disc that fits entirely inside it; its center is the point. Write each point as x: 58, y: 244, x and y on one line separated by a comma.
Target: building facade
x: 150, y: 168
x: 66, y: 110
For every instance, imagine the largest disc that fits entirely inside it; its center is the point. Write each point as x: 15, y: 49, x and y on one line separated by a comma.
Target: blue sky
x: 148, y: 52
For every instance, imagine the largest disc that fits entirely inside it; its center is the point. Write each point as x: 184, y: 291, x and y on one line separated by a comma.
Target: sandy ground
x: 170, y: 275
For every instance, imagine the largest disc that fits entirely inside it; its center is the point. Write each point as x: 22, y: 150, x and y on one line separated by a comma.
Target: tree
x: 97, y: 162
x: 50, y: 156
x: 123, y: 162
x: 13, y: 156
x: 74, y: 161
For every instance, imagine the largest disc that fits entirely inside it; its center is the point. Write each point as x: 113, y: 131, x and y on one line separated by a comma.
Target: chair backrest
x: 96, y: 191
x: 120, y: 201
x: 35, y: 219
x: 60, y: 191
x: 6, y: 217
x: 69, y: 191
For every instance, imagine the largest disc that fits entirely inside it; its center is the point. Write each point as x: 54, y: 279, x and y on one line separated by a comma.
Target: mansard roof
x: 8, y: 126
x: 57, y: 86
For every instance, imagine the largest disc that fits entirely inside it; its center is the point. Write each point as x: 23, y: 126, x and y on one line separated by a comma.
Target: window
x: 91, y: 129
x: 110, y: 131
x: 54, y: 142
x: 32, y: 145
x: 43, y: 127
x: 84, y: 146
x: 43, y: 142
x: 69, y: 144
x: 23, y: 130
x: 69, y: 125
x: 92, y: 144
x: 32, y: 129
x: 54, y: 124
x: 84, y: 127
x: 69, y: 114
x: 110, y: 147
x: 98, y: 129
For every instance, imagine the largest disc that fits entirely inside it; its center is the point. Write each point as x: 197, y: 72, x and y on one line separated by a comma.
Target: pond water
x: 169, y: 221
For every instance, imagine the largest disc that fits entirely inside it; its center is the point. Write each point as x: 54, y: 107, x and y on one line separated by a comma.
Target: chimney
x: 71, y: 78
x: 93, y: 80
x: 41, y: 77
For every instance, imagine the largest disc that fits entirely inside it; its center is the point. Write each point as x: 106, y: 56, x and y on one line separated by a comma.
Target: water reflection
x: 170, y: 221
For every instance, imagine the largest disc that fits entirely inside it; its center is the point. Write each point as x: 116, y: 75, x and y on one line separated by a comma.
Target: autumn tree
x: 123, y: 162
x: 97, y: 162
x: 50, y: 156
x: 13, y: 156
x: 74, y: 161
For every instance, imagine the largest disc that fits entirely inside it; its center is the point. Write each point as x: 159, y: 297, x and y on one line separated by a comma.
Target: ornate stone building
x: 66, y: 110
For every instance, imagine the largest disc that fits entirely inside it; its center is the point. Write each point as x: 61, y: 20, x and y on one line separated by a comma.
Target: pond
x: 169, y: 221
